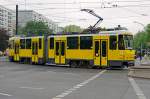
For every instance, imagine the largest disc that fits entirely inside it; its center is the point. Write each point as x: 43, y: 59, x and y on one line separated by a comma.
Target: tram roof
x: 78, y: 34
x: 99, y: 33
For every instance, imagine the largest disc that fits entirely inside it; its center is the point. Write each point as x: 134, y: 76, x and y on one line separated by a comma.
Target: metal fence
x: 4, y: 59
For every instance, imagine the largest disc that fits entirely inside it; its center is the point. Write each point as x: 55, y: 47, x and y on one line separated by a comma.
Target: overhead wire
x: 78, y: 8
x: 139, y: 5
x: 130, y: 10
x: 89, y: 19
x: 102, y: 5
x: 68, y: 3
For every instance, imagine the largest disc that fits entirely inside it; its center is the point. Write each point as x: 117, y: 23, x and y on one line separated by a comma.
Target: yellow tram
x: 103, y: 49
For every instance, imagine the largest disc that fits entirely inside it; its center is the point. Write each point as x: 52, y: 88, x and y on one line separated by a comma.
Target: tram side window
x: 22, y: 43
x: 51, y: 43
x: 36, y: 48
x: 28, y: 43
x: 113, y: 42
x: 57, y: 48
x: 33, y: 48
x: 11, y: 44
x: 121, y: 43
x: 86, y: 42
x: 104, y: 48
x: 96, y: 48
x: 72, y: 42
x: 16, y: 48
x: 40, y: 43
x: 62, y: 48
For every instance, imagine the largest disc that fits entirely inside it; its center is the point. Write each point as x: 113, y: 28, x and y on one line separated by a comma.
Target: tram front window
x: 128, y: 40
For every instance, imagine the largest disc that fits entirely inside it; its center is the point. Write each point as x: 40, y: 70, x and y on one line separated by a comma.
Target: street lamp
x: 141, y: 47
x: 140, y: 24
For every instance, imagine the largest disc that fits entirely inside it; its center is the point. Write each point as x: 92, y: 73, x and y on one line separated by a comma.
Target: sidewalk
x: 140, y: 70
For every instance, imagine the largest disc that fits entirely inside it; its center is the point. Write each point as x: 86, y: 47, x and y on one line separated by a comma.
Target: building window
x: 113, y: 42
x: 72, y: 42
x: 86, y: 42
x: 51, y: 43
x: 28, y: 43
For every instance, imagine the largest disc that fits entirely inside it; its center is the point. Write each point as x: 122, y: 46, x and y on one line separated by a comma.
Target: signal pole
x: 16, y: 19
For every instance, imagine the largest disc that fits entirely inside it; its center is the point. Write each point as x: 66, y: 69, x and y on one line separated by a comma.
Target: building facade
x: 25, y: 16
x: 6, y: 19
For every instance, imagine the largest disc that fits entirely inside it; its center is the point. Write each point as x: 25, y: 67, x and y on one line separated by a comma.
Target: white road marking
x: 137, y: 89
x: 5, y: 94
x: 56, y: 98
x: 32, y: 88
x: 69, y: 91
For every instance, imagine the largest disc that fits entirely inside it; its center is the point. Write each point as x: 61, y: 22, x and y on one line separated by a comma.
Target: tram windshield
x: 128, y: 41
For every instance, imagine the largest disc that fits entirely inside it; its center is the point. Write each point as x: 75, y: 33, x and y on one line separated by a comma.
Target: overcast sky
x: 66, y: 12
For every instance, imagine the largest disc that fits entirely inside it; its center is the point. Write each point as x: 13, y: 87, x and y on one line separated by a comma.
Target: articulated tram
x: 103, y: 49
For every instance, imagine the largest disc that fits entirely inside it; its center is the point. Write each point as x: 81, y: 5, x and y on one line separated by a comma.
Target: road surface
x: 23, y: 81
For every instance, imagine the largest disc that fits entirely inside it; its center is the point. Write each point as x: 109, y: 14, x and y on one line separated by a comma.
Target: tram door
x: 104, y: 52
x: 16, y: 55
x: 60, y: 52
x: 100, y: 52
x: 97, y: 52
x: 35, y: 52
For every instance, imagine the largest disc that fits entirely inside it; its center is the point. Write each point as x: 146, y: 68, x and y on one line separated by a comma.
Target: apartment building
x: 6, y: 19
x: 25, y: 16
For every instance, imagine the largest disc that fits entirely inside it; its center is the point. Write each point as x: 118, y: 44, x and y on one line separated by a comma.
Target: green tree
x: 35, y: 27
x: 3, y: 39
x: 142, y: 37
x: 147, y: 30
x: 72, y: 28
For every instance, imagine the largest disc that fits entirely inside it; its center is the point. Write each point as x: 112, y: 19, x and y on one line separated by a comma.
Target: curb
x: 145, y: 64
x: 131, y: 74
x: 141, y: 67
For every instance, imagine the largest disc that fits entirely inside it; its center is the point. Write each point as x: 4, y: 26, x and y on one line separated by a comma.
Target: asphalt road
x: 22, y: 81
